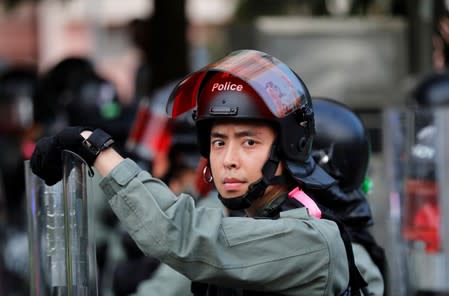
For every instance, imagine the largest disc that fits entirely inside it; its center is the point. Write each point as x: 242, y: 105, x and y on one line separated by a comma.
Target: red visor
x: 272, y: 80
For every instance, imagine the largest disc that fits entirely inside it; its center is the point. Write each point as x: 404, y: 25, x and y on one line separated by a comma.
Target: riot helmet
x: 54, y: 86
x: 432, y: 90
x: 72, y: 92
x: 341, y: 144
x: 94, y: 101
x: 252, y: 85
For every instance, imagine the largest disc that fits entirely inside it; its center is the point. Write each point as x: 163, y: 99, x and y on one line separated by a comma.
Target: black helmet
x: 249, y: 84
x: 94, y: 101
x: 73, y: 93
x: 66, y: 74
x: 432, y: 90
x: 341, y: 145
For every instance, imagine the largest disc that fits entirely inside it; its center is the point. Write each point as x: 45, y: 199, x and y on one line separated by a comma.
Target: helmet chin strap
x: 257, y: 189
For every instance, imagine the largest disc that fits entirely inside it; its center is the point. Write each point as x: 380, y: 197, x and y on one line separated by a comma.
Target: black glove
x: 46, y: 161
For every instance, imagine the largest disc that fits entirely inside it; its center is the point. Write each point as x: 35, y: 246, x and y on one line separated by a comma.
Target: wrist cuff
x: 96, y: 142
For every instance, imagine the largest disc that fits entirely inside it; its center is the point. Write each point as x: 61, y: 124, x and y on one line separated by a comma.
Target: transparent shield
x: 60, y: 230
x: 80, y: 250
x: 45, y: 216
x: 417, y: 152
x: 394, y: 147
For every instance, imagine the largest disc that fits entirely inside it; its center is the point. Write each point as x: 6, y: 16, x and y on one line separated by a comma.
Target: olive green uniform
x: 166, y: 281
x: 293, y: 255
x: 369, y: 271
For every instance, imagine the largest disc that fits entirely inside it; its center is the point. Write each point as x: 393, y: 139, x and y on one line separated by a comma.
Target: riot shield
x: 60, y: 231
x: 416, y: 145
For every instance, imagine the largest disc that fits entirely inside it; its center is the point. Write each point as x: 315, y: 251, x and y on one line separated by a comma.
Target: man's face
x: 238, y: 152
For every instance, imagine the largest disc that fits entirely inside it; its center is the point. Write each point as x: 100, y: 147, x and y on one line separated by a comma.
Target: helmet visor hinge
x: 223, y: 110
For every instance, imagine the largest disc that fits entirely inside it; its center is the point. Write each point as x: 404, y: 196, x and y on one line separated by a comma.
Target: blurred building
x: 45, y: 33
x: 19, y: 36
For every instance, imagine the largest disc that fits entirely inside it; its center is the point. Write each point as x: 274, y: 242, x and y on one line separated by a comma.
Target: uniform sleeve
x: 369, y: 270
x: 167, y: 282
x: 293, y: 255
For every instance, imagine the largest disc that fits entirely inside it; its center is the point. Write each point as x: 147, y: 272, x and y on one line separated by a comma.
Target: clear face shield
x: 60, y: 232
x: 273, y: 81
x: 417, y: 153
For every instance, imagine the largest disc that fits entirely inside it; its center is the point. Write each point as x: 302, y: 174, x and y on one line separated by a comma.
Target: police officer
x: 341, y: 146
x: 255, y: 125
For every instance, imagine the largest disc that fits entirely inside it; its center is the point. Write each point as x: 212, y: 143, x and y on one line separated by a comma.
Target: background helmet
x: 72, y: 92
x: 56, y: 83
x: 249, y: 84
x: 341, y: 145
x: 432, y: 91
x: 184, y: 150
x: 94, y: 102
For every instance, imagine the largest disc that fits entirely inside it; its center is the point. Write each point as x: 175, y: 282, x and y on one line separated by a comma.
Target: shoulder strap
x: 356, y: 281
x: 306, y: 201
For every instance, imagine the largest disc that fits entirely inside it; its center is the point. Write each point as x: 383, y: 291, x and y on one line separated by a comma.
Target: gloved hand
x: 46, y: 161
